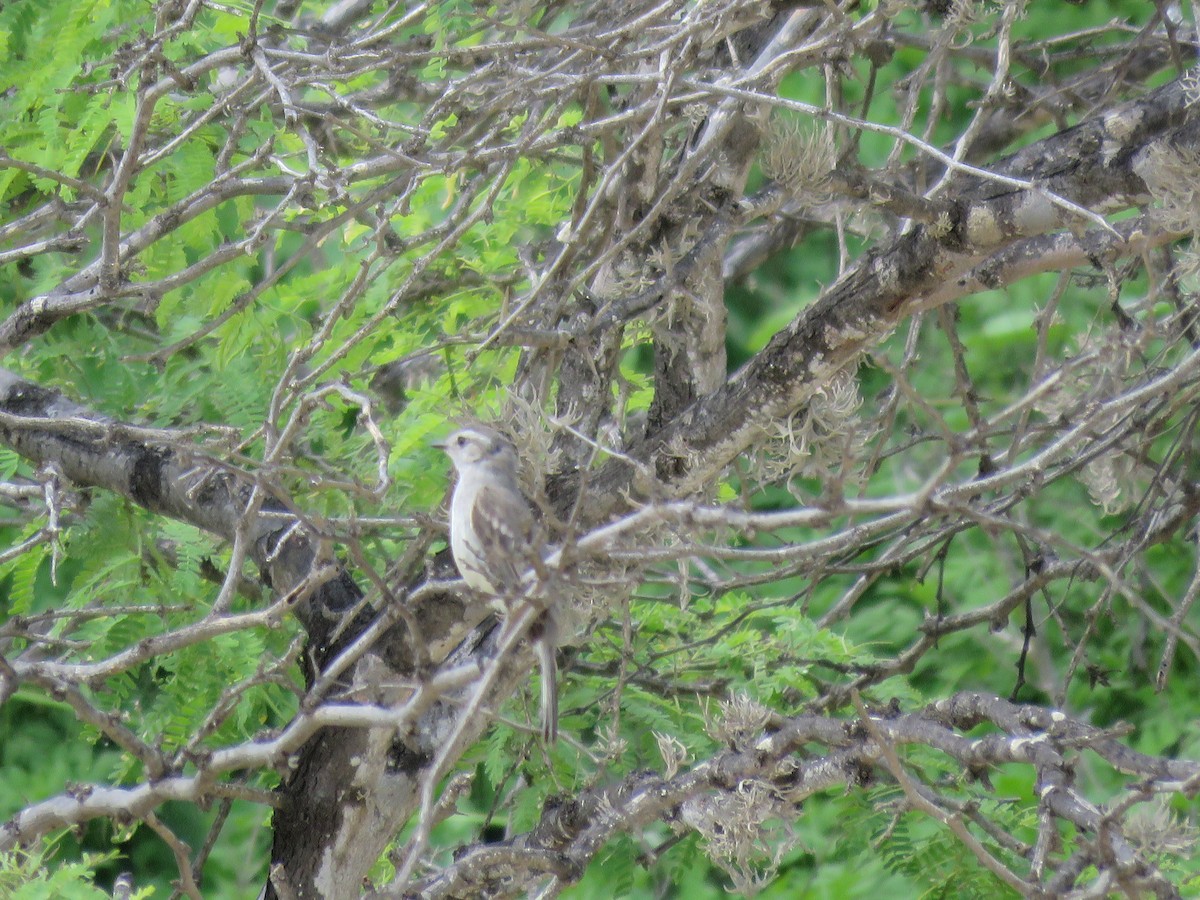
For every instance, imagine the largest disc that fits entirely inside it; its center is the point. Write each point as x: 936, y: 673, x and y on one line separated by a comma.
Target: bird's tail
x: 549, y: 666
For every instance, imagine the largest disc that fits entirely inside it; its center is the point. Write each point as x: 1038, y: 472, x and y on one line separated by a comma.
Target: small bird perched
x: 496, y: 541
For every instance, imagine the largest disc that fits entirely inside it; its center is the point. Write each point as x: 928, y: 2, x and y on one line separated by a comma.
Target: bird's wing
x: 507, y: 536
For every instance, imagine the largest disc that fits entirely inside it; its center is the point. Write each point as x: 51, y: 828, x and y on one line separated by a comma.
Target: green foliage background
x: 227, y: 349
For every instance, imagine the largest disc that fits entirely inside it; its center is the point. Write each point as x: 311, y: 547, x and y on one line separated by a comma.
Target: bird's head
x: 479, y: 445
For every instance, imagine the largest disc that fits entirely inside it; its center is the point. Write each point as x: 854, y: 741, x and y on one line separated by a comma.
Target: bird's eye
x: 462, y: 441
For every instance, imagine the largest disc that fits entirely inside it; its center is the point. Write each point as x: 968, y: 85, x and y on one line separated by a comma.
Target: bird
x: 496, y: 540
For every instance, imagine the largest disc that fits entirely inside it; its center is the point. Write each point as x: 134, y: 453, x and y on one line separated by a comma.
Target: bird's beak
x: 440, y: 445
